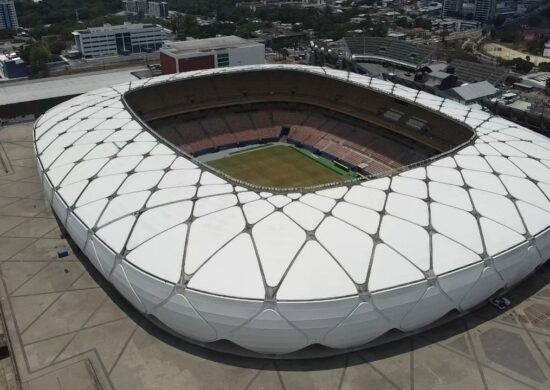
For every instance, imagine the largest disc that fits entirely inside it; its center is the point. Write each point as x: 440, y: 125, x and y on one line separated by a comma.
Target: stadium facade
x: 277, y: 271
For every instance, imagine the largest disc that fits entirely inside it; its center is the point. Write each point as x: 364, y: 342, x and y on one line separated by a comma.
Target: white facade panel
x: 248, y: 55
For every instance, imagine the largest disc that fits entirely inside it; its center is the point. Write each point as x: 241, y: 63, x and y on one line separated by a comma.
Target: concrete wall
x: 196, y: 63
x: 168, y: 64
x: 247, y: 55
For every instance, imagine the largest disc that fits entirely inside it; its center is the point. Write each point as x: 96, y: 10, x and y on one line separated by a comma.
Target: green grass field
x: 280, y: 166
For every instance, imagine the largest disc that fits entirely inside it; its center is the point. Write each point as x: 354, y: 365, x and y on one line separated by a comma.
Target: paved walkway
x: 70, y: 330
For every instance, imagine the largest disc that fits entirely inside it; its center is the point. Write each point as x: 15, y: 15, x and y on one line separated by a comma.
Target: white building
x: 8, y: 17
x: 546, y: 52
x: 219, y: 52
x: 119, y: 40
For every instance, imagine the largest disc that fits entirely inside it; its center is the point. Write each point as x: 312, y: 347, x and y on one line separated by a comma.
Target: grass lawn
x: 277, y: 166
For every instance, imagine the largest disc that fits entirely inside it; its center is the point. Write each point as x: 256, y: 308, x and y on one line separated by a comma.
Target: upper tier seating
x: 289, y: 87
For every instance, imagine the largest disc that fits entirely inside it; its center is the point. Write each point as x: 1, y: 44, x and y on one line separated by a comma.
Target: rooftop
x: 10, y: 58
x: 439, y: 74
x: 30, y: 90
x: 474, y: 91
x: 108, y: 27
x: 207, y: 44
x: 537, y: 80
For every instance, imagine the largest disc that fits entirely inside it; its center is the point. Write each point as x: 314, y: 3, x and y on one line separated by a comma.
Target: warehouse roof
x: 474, y: 91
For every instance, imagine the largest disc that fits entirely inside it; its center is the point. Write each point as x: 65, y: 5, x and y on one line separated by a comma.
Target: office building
x: 208, y: 53
x: 8, y: 16
x: 136, y: 6
x: 123, y: 39
x: 12, y: 67
x: 153, y: 8
x: 485, y: 10
x: 451, y: 8
x: 158, y: 9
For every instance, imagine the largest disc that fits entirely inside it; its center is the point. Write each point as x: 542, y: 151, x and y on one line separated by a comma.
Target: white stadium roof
x: 275, y: 273
x: 38, y: 89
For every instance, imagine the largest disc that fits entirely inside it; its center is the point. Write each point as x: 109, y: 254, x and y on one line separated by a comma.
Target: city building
x: 8, y: 16
x: 158, y: 9
x: 485, y: 10
x: 536, y: 80
x: 136, y: 6
x: 426, y: 7
x: 451, y: 8
x: 546, y: 52
x: 154, y: 8
x: 455, y: 25
x: 209, y: 53
x: 253, y: 4
x: 472, y: 93
x: 122, y: 39
x: 506, y: 8
x: 11, y: 67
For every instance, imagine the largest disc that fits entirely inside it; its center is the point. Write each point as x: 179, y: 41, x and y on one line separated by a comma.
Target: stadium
x: 291, y: 208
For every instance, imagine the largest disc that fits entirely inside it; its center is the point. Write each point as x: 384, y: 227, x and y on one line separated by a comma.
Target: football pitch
x: 280, y: 166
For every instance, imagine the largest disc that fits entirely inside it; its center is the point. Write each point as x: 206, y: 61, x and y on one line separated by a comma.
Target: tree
x: 36, y: 56
x: 184, y: 26
x: 499, y: 20
x: 545, y: 67
x: 56, y: 47
x: 423, y: 22
x: 403, y: 22
x: 510, y: 35
x: 519, y: 64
